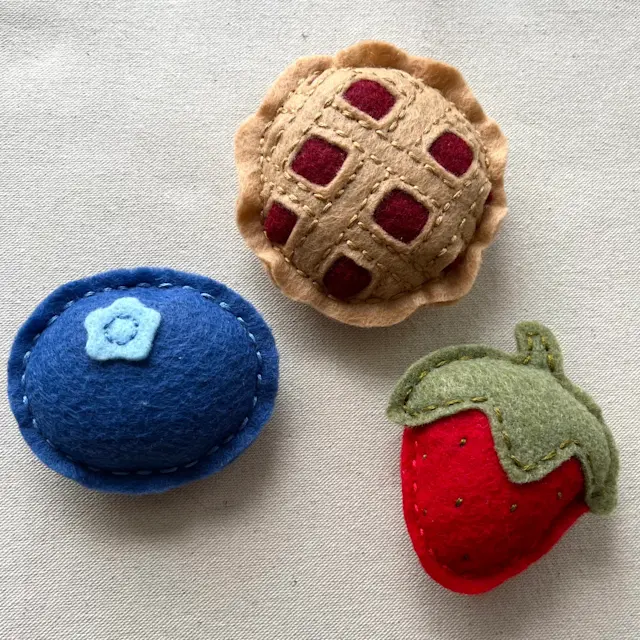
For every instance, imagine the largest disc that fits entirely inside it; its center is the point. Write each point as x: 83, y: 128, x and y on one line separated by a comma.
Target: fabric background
x: 116, y: 129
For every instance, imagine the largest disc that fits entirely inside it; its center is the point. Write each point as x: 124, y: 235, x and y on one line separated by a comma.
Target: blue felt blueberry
x: 137, y: 381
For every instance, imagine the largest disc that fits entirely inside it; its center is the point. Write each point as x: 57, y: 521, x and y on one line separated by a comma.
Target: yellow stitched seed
x: 441, y: 363
x: 498, y: 413
x: 513, y: 507
x: 452, y: 402
x: 479, y: 399
x: 545, y: 344
x: 517, y: 462
x: 550, y: 456
x: 529, y: 342
x: 565, y: 444
x: 431, y: 407
x: 529, y: 467
x: 458, y: 502
x: 527, y: 360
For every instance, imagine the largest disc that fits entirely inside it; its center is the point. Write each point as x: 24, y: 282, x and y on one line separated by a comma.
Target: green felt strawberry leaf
x: 539, y: 419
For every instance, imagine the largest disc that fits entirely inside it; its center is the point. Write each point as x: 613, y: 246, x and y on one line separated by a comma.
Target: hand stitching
x: 416, y: 248
x: 497, y: 411
x: 165, y: 285
x: 505, y: 436
x: 444, y: 208
x: 329, y: 200
x: 356, y: 219
x: 393, y: 123
x: 320, y: 78
x: 381, y: 267
x: 551, y: 363
x: 378, y: 161
x: 454, y: 237
x: 340, y: 239
x: 456, y: 118
x: 434, y: 168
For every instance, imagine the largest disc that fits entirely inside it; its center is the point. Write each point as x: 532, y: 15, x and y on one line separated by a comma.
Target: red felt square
x: 279, y: 223
x: 401, y: 216
x: 452, y: 152
x: 371, y: 97
x: 319, y: 161
x: 345, y: 278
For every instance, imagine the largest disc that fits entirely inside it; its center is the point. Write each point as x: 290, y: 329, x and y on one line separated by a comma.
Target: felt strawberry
x: 501, y: 454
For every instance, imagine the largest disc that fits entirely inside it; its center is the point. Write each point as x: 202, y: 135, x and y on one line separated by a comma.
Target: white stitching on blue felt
x: 144, y: 472
x: 122, y: 331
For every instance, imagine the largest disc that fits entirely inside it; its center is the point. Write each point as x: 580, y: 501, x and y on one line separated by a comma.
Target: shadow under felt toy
x: 501, y: 454
x: 137, y: 381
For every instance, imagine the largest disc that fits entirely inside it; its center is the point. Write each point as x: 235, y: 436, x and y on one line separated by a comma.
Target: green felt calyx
x: 539, y: 419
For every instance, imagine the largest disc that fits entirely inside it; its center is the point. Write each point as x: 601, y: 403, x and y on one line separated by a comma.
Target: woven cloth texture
x: 116, y: 149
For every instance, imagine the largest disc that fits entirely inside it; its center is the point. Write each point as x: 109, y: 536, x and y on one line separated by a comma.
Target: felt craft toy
x: 501, y: 454
x: 371, y: 182
x: 137, y: 381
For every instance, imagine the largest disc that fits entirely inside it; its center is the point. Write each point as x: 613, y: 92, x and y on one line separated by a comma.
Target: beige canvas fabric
x: 438, y: 266
x: 117, y: 122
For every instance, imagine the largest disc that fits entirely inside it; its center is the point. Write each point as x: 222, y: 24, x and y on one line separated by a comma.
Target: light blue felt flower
x: 124, y: 330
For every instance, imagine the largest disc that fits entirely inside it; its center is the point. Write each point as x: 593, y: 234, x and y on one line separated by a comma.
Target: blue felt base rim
x: 156, y: 480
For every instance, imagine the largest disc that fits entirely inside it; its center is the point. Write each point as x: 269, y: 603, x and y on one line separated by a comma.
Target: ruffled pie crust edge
x: 458, y: 278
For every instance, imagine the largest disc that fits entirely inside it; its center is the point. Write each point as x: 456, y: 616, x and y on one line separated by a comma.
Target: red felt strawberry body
x: 501, y: 454
x: 471, y: 527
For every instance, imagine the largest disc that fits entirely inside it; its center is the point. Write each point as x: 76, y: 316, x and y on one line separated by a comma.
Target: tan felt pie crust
x: 440, y: 265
